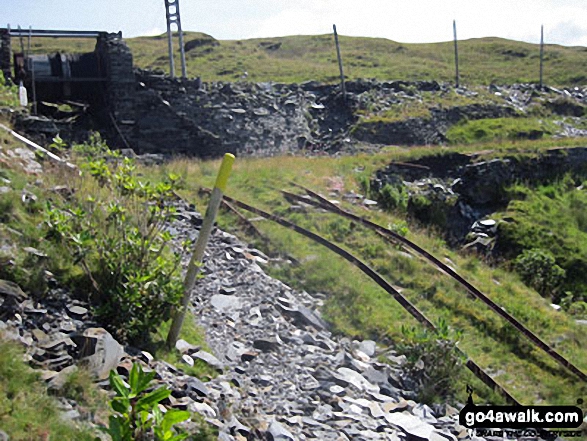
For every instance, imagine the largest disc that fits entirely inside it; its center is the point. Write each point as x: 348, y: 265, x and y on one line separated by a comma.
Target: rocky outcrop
x: 285, y: 375
x: 152, y: 113
x: 456, y: 191
x: 424, y: 131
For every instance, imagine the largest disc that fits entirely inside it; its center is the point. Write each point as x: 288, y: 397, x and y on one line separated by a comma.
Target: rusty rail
x: 377, y: 278
x: 329, y: 206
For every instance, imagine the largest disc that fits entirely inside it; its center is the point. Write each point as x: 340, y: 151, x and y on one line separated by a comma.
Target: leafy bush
x: 432, y: 361
x: 578, y: 309
x: 138, y: 416
x: 400, y: 228
x: 117, y: 236
x: 539, y: 270
x: 8, y: 93
x: 393, y: 197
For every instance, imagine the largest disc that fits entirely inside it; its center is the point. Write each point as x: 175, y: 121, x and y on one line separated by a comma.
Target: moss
x: 496, y: 129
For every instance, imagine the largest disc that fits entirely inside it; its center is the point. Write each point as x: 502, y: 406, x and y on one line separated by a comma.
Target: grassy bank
x: 313, y: 57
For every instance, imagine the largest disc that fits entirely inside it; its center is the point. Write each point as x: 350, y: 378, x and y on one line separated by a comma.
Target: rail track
x: 314, y: 199
x: 411, y: 246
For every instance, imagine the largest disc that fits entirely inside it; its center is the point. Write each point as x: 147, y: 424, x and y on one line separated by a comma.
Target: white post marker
x: 199, y: 248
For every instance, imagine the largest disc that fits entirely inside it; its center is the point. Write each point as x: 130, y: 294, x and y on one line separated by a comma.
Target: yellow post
x: 199, y: 248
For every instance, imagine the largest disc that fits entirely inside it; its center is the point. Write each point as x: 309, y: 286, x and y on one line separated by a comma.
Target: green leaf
x: 120, y: 405
x: 178, y: 437
x: 144, y: 380
x: 152, y: 398
x: 119, y: 429
x: 173, y: 417
x: 117, y: 384
x: 133, y: 378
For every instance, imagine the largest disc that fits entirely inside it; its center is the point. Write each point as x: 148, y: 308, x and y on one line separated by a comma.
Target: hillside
x: 109, y: 240
x: 303, y: 58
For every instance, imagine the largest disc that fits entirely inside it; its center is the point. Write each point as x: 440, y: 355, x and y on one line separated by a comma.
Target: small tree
x: 432, y: 361
x: 539, y: 270
x: 114, y: 227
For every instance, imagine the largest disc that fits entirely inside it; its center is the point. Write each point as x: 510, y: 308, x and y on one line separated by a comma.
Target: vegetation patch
x: 114, y: 227
x: 497, y: 129
x: 27, y: 412
x: 546, y: 229
x: 313, y: 57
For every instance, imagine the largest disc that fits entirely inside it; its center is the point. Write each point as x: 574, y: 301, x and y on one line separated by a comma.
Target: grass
x: 191, y: 333
x: 421, y: 104
x: 359, y: 308
x: 313, y: 57
x: 27, y: 412
x: 550, y: 217
x: 498, y: 129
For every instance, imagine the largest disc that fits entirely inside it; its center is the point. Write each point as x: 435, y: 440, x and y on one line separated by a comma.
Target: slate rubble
x: 157, y: 114
x: 285, y: 375
x: 282, y: 374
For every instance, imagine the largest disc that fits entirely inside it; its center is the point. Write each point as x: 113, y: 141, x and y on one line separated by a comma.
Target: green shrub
x: 578, y: 309
x: 400, y: 228
x: 137, y: 414
x: 432, y: 361
x: 539, y: 270
x: 393, y: 197
x: 117, y: 236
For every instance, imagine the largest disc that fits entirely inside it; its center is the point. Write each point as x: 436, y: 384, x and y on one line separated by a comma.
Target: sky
x: 406, y: 21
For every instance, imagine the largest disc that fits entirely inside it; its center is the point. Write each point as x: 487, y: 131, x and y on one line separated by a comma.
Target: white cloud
x: 153, y: 31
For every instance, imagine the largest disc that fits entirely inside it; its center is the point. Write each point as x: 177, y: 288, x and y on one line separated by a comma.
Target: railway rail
x: 314, y: 199
x: 405, y: 303
x: 411, y: 246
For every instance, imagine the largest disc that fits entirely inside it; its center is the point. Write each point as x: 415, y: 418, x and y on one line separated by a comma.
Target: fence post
x: 198, y: 255
x: 541, y: 54
x: 342, y: 85
x: 454, y: 28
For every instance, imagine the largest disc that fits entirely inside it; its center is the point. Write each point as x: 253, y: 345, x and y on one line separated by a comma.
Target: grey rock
x: 58, y: 381
x: 410, y: 424
x: 279, y: 432
x: 11, y: 289
x: 187, y: 360
x: 209, y: 359
x: 184, y: 347
x: 196, y: 386
x: 266, y: 344
x: 99, y: 351
x: 77, y: 311
x: 368, y: 347
x: 348, y: 376
x: 203, y: 409
x: 225, y: 303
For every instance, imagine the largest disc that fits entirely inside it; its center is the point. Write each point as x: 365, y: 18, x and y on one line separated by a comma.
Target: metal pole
x: 169, y: 41
x: 342, y: 85
x: 198, y: 255
x: 21, y: 41
x: 181, y: 48
x: 454, y: 28
x: 31, y: 68
x: 541, y: 54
